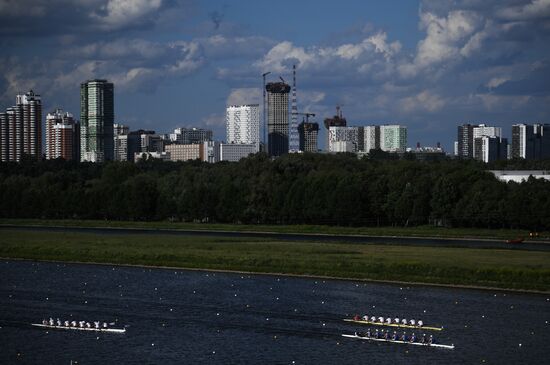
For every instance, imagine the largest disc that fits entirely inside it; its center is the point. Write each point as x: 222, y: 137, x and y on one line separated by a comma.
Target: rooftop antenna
x: 294, y: 144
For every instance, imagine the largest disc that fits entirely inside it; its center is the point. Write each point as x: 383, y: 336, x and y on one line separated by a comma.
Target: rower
x: 381, y: 319
x: 377, y: 334
x: 412, y: 322
x: 413, y: 337
x: 420, y: 323
x: 51, y: 321
x: 96, y: 324
x: 388, y: 320
x: 44, y: 322
x: 396, y: 320
x: 81, y: 324
x: 356, y: 317
x: 373, y: 319
x: 404, y: 337
x: 88, y: 325
x: 423, y: 339
x: 368, y: 333
x: 58, y: 322
x: 366, y: 318
x: 431, y: 340
x: 394, y: 336
x: 104, y: 324
x: 387, y: 335
x: 66, y: 323
x: 404, y: 321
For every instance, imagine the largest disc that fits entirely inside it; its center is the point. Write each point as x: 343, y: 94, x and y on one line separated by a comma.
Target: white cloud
x: 119, y: 13
x: 423, y: 101
x: 241, y: 96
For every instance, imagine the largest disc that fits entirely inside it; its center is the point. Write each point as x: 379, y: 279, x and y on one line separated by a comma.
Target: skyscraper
x: 371, y: 138
x: 483, y: 130
x: 242, y: 124
x: 308, y: 133
x: 530, y: 141
x: 277, y: 117
x: 96, y: 119
x: 61, y: 136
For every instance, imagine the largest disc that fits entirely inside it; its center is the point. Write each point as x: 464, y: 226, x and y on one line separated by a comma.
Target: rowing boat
x: 113, y: 330
x: 450, y: 347
x: 428, y: 328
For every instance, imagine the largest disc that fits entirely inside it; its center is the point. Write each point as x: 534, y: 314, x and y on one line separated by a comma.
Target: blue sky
x: 430, y: 64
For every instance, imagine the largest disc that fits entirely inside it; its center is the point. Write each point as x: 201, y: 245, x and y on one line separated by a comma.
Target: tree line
x: 339, y: 189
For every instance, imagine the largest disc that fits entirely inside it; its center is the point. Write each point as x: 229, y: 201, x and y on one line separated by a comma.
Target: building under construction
x: 277, y: 118
x: 308, y: 136
x: 336, y: 121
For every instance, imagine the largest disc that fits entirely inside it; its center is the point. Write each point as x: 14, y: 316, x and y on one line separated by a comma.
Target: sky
x: 430, y: 64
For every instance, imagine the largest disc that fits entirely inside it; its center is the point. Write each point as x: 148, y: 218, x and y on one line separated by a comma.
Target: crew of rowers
x: 395, y: 321
x: 80, y: 324
x: 385, y: 335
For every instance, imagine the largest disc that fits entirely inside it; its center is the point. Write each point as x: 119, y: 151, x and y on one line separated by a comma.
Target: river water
x: 182, y: 317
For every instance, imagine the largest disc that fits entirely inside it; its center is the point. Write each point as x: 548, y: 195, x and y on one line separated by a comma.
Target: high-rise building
x: 61, y: 135
x: 393, y: 138
x: 96, y: 120
x: 277, y: 118
x: 466, y: 141
x: 530, y: 141
x: 371, y: 138
x: 308, y: 132
x: 242, y: 124
x: 21, y: 128
x: 120, y: 129
x: 483, y: 130
x: 338, y: 135
x: 29, y: 124
x: 336, y: 121
x: 490, y: 148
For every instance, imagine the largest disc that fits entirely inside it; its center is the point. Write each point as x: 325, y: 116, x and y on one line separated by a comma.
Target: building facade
x: 371, y: 138
x: 530, y: 141
x: 393, y: 138
x: 277, y: 118
x: 21, y: 128
x: 465, y: 138
x: 185, y: 152
x: 490, y: 148
x: 96, y: 120
x: 191, y: 135
x: 242, y: 124
x: 234, y: 152
x: 342, y: 134
x: 308, y: 135
x: 62, y: 136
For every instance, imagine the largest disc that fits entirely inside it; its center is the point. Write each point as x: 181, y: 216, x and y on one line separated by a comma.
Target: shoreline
x: 304, y: 276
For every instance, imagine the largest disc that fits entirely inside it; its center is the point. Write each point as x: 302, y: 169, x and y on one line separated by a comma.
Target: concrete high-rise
x: 371, y: 138
x: 530, y: 141
x: 308, y: 132
x: 393, y: 138
x: 61, y: 136
x: 483, y: 130
x: 343, y: 139
x: 465, y: 140
x: 337, y: 121
x: 242, y: 124
x: 277, y: 118
x: 96, y: 120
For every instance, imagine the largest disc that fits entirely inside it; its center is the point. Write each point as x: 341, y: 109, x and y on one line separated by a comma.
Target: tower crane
x: 306, y: 114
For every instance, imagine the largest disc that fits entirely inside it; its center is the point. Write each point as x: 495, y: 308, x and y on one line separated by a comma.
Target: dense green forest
x: 306, y: 189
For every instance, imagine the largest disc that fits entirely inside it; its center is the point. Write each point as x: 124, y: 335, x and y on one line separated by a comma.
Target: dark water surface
x: 183, y: 317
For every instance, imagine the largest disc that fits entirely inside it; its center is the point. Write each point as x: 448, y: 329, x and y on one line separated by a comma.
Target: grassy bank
x: 422, y: 231
x: 454, y: 266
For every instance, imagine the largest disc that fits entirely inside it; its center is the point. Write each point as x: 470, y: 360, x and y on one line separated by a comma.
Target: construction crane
x: 306, y: 114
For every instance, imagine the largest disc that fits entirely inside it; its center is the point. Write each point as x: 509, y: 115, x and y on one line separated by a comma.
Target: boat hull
x: 427, y: 328
x: 436, y: 345
x: 93, y: 329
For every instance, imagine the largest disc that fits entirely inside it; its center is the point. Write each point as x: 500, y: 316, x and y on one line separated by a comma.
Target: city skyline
x: 425, y: 64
